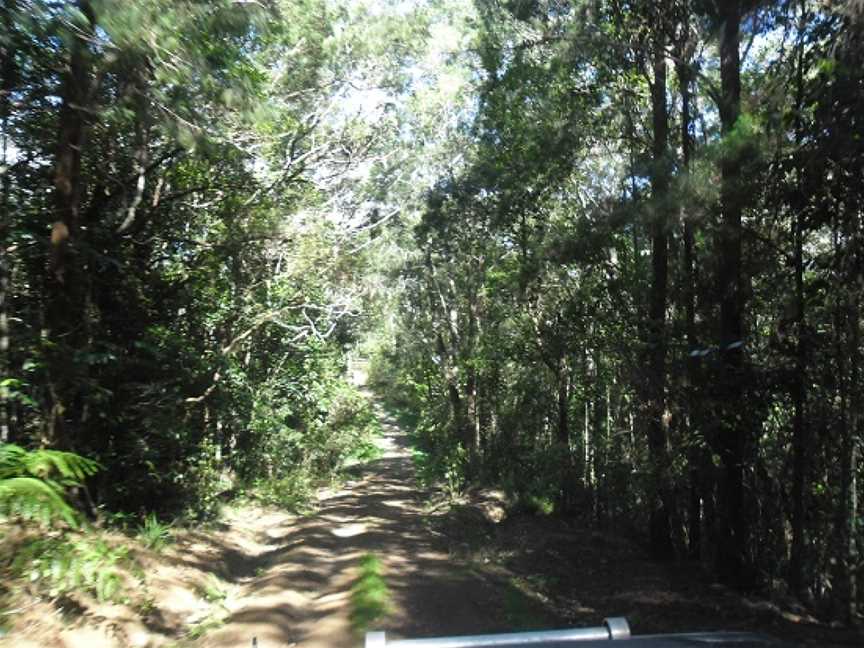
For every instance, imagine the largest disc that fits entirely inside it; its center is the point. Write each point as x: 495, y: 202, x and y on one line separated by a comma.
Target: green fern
x: 154, y: 534
x: 71, y: 468
x: 33, y: 482
x: 68, y: 564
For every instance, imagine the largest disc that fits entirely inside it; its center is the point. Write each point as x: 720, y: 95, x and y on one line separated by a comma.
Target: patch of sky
x: 364, y: 102
x: 766, y: 49
x: 10, y: 152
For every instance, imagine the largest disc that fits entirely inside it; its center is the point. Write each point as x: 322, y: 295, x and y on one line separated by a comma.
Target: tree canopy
x: 611, y: 253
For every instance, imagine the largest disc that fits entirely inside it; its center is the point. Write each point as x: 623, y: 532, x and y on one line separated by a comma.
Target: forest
x: 605, y: 256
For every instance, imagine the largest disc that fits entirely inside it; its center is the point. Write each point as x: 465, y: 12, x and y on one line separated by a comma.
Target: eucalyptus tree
x: 633, y: 238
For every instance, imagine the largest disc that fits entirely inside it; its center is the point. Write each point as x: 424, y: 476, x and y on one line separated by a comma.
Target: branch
x: 197, y: 399
x: 302, y: 331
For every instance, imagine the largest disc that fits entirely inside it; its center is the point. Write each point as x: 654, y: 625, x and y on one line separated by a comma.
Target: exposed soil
x: 286, y: 580
x: 583, y: 576
x: 303, y: 595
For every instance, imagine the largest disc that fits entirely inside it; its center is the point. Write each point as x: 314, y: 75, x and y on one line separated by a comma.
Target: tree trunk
x: 446, y: 320
x: 65, y: 294
x: 472, y: 386
x: 800, y: 435
x: 734, y: 523
x: 563, y: 430
x: 692, y: 407
x: 850, y: 434
x: 562, y: 435
x: 7, y: 84
x: 660, y: 495
x: 473, y: 412
x: 601, y: 447
x: 587, y: 450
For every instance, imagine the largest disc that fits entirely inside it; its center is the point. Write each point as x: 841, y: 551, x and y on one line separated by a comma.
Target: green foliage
x: 217, y: 321
x: 13, y: 389
x: 202, y: 481
x: 370, y: 596
x: 228, y: 245
x: 438, y: 459
x: 534, y: 504
x: 201, y: 628
x: 212, y: 590
x: 347, y: 431
x: 67, y: 564
x: 153, y: 534
x: 575, y: 209
x: 365, y: 451
x: 33, y: 483
x: 293, y: 491
x: 309, y: 441
x: 521, y: 608
x: 533, y: 485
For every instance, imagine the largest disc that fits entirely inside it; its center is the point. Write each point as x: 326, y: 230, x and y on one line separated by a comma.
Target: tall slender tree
x: 734, y: 436
x: 657, y: 415
x: 65, y: 290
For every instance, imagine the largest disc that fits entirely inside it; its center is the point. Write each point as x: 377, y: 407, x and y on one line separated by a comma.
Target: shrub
x: 291, y: 491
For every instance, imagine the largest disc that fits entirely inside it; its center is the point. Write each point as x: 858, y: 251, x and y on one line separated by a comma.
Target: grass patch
x: 212, y: 590
x: 292, y: 492
x: 531, y: 504
x: 406, y: 416
x: 423, y: 467
x: 215, y: 593
x: 438, y: 460
x: 370, y: 597
x: 153, y: 534
x: 367, y: 451
x: 521, y: 608
x: 201, y: 628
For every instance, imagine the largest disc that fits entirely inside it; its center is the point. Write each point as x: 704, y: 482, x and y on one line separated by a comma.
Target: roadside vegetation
x: 605, y: 258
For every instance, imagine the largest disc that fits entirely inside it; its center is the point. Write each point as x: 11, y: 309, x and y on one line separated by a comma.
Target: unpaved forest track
x: 297, y: 585
x: 297, y: 577
x: 286, y: 580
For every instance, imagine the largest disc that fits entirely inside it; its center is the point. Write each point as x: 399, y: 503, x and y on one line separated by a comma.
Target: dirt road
x: 286, y: 580
x: 296, y: 574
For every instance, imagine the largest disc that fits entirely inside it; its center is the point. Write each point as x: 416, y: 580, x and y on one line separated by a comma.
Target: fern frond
x: 12, y: 459
x: 34, y: 499
x: 74, y: 468
x: 33, y: 482
x: 42, y: 463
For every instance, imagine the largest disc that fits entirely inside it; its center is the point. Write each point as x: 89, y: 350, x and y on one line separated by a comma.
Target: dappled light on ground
x: 380, y: 552
x: 349, y: 530
x: 303, y: 591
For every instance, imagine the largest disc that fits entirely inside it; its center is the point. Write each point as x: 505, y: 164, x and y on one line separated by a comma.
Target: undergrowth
x: 33, y: 483
x: 154, y: 534
x: 51, y: 554
x: 56, y: 553
x: 298, y: 458
x: 67, y: 564
x: 439, y: 460
x: 292, y: 491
